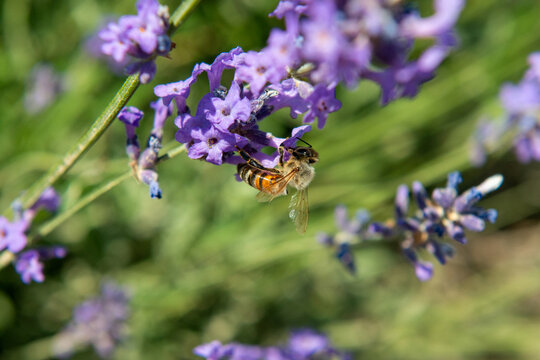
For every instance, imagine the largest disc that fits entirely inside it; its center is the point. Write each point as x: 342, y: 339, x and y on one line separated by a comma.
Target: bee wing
x: 265, y: 197
x: 276, y: 189
x: 299, y: 210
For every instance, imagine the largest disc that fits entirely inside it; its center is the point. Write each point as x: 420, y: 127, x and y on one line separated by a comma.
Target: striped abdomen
x: 260, y: 179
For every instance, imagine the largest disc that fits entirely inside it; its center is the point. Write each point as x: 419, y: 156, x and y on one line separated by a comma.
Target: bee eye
x: 302, y: 152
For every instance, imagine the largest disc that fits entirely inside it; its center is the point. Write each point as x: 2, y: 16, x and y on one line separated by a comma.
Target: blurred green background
x: 210, y: 262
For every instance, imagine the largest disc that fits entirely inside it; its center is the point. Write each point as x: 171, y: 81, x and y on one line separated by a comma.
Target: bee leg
x: 281, y: 150
x: 249, y: 160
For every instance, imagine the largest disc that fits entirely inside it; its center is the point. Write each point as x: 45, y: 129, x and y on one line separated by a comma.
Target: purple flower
x: 43, y: 87
x: 346, y: 257
x: 215, y: 70
x: 131, y: 117
x: 292, y: 93
x: 29, y: 264
x: 521, y: 99
x: 521, y: 103
x: 162, y: 112
x: 146, y: 69
x: 306, y: 342
x: 179, y: 91
x: 99, y: 322
x: 213, y: 350
x: 231, y: 110
x: 282, y: 48
x: 210, y: 144
x: 48, y: 200
x: 445, y: 213
x: 444, y: 19
x: 422, y: 269
x: 29, y: 267
x: 323, y: 101
x: 257, y: 69
x: 12, y: 234
x: 303, y: 344
x: 142, y: 37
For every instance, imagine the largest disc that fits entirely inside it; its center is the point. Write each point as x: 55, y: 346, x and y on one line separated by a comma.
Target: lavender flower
x: 144, y: 164
x: 344, y: 40
x: 521, y: 103
x: 142, y: 37
x: 350, y: 232
x: 304, y: 344
x: 29, y: 264
x: 99, y: 322
x: 43, y: 87
x: 131, y: 117
x: 324, y: 43
x: 12, y: 234
x: 13, y: 238
x: 445, y: 214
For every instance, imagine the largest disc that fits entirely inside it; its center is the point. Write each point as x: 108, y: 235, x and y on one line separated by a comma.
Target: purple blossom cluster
x: 445, y: 214
x: 325, y: 42
x: 346, y: 41
x: 99, y: 322
x: 227, y: 118
x: 13, y: 238
x: 304, y: 344
x: 521, y: 103
x: 144, y: 164
x: 138, y: 39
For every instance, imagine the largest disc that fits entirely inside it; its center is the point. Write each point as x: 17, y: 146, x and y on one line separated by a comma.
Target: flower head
x: 445, y: 214
x: 304, y: 344
x: 99, y: 322
x: 29, y: 264
x: 141, y: 37
x: 12, y: 234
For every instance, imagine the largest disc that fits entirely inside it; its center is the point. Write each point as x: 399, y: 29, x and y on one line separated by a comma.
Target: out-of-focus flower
x: 100, y: 322
x: 13, y: 238
x: 141, y: 37
x: 144, y: 164
x: 43, y: 87
x: 445, y: 214
x: 29, y: 264
x: 13, y: 234
x: 349, y: 232
x: 304, y: 344
x: 325, y: 43
x: 521, y: 103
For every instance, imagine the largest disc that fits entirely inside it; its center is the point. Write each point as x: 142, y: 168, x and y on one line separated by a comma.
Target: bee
x: 297, y: 171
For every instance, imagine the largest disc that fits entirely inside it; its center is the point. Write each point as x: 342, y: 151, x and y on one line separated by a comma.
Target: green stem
x: 49, y: 226
x: 7, y: 257
x: 85, y: 142
x: 102, y: 122
x: 182, y: 12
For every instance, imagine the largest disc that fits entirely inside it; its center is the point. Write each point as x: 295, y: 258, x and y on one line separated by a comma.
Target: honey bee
x: 297, y: 171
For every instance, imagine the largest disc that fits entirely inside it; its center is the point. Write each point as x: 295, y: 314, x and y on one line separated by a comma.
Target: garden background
x: 209, y: 262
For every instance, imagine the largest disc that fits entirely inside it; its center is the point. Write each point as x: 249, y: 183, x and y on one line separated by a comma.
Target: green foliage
x: 210, y: 262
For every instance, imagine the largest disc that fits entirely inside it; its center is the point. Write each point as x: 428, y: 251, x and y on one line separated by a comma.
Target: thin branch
x: 7, y: 257
x: 85, y: 142
x: 182, y: 12
x: 102, y: 122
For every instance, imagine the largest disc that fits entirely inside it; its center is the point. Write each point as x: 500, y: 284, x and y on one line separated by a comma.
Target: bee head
x: 305, y: 153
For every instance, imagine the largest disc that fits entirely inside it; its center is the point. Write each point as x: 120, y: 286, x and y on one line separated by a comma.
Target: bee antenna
x: 305, y: 142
